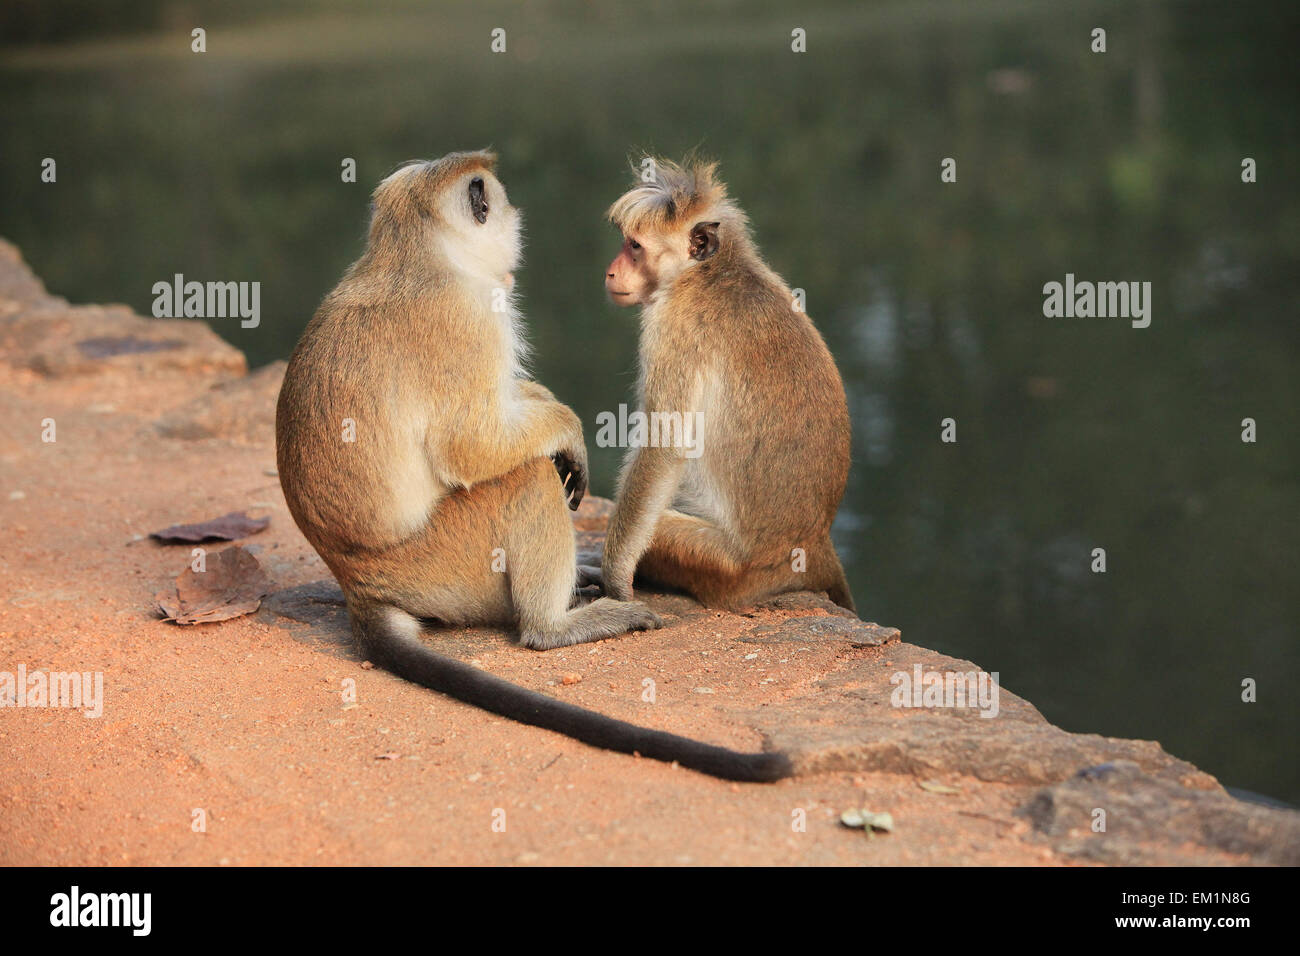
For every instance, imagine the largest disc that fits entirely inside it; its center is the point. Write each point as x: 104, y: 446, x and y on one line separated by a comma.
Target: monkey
x: 432, y: 476
x: 737, y: 508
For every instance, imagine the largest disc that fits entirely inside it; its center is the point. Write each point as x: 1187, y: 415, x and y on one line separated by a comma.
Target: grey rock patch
x: 818, y: 628
x: 806, y: 601
x: 48, y: 337
x: 44, y: 333
x: 107, y: 346
x: 1146, y: 813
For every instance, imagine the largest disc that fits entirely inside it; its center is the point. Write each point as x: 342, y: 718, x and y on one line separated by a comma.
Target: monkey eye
x: 478, y: 200
x: 636, y: 246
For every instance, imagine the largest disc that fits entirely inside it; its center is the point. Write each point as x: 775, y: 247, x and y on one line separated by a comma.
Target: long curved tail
x: 390, y: 638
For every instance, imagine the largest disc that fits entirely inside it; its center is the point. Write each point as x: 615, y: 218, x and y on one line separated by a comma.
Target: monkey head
x: 670, y: 223
x: 650, y: 261
x: 458, y: 209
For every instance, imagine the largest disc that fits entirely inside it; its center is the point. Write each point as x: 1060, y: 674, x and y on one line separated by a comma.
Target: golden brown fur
x: 417, y: 355
x: 720, y: 335
x: 452, y: 452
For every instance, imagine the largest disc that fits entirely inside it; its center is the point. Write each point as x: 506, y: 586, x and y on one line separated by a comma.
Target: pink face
x: 629, y: 280
x: 643, y: 264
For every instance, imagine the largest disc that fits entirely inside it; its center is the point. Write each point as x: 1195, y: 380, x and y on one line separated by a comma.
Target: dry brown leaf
x: 232, y: 585
x: 226, y: 528
x: 933, y: 786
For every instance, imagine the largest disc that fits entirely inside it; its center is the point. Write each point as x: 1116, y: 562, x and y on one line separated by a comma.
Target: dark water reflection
x: 1073, y: 434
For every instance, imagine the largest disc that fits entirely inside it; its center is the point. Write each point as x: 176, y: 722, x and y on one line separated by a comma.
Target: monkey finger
x: 579, y: 488
x: 571, y: 477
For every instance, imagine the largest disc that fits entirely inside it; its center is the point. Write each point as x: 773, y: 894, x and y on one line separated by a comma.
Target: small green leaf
x: 878, y: 821
x: 852, y: 818
x: 867, y: 820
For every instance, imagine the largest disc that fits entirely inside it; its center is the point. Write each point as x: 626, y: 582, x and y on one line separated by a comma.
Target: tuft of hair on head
x: 678, y: 194
x: 456, y: 164
x: 434, y: 172
x: 406, y: 193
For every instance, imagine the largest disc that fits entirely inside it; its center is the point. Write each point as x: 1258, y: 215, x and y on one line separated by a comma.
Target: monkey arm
x: 649, y: 484
x: 573, y: 473
x: 535, y: 390
x: 541, y: 428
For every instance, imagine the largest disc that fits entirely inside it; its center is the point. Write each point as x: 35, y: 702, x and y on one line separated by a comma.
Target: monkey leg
x: 821, y: 572
x: 543, y: 572
x: 533, y: 535
x: 455, y: 568
x: 500, y: 552
x: 693, y: 555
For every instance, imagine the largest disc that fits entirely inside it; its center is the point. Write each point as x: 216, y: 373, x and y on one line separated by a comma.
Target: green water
x: 1073, y: 434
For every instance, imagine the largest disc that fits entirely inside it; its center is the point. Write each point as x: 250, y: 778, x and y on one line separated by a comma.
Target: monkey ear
x: 477, y: 200
x: 704, y: 240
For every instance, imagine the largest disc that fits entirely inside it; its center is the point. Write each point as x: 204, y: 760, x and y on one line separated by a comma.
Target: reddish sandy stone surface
x: 245, y: 719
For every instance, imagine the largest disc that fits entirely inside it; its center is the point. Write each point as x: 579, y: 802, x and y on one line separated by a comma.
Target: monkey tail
x: 390, y: 638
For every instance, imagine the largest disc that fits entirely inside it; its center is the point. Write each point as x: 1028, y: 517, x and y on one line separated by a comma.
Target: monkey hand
x: 572, y: 468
